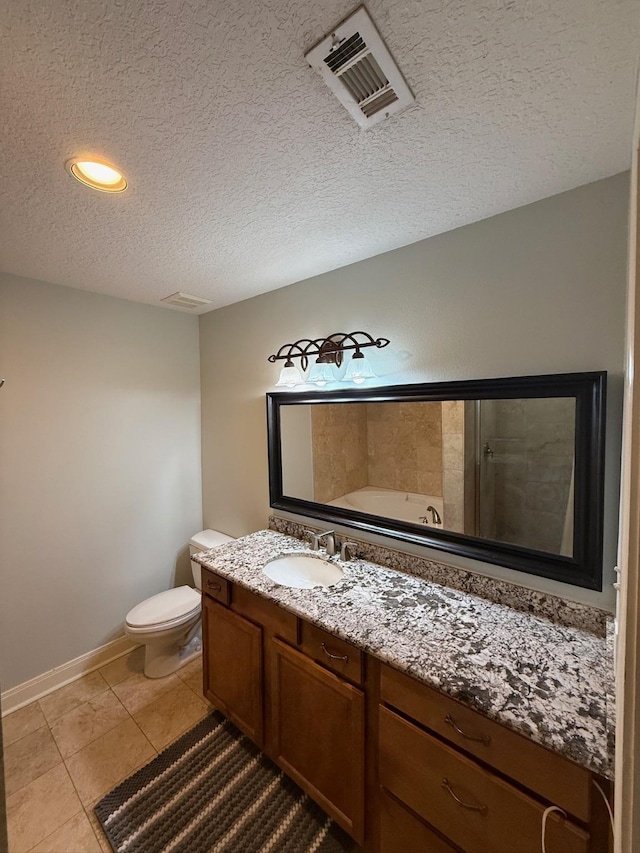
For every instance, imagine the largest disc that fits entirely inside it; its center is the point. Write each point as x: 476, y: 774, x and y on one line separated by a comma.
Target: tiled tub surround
x: 545, y: 680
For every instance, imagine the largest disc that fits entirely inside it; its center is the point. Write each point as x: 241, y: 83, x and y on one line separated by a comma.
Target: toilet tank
x: 203, y: 541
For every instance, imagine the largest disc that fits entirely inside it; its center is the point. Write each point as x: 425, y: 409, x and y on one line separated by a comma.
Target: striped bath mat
x: 213, y: 790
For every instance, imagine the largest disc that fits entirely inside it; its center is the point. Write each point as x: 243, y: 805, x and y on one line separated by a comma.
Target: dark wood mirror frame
x: 583, y: 569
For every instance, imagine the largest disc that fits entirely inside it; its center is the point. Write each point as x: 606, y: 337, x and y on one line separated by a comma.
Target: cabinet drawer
x: 555, y: 778
x: 471, y: 806
x: 337, y: 655
x: 402, y: 832
x: 215, y: 587
x: 276, y: 620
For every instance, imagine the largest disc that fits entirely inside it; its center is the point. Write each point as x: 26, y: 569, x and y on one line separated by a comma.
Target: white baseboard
x: 22, y: 694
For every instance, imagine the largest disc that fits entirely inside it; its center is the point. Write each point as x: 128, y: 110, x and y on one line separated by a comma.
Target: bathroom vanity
x: 421, y: 718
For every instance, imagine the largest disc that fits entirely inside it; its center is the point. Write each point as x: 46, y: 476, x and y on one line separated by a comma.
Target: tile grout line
x: 75, y: 707
x: 97, y: 737
x: 147, y: 740
x: 87, y: 810
x: 73, y: 817
x: 91, y: 827
x: 72, y: 782
x: 84, y: 807
x: 26, y: 734
x: 42, y: 840
x: 155, y: 698
x: 44, y: 772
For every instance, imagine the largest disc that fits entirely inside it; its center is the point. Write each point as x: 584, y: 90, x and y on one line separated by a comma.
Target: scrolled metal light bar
x: 330, y: 349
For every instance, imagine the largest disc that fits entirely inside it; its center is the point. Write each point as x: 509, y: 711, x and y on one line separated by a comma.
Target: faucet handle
x: 315, y: 539
x: 331, y: 541
x: 348, y: 550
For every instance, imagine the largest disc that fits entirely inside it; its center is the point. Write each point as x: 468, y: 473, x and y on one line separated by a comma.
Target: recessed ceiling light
x: 97, y: 174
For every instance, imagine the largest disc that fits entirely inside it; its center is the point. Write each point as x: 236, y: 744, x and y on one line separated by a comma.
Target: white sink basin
x: 302, y: 571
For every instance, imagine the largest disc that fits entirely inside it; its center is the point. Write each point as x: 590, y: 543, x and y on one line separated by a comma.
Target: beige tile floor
x: 64, y: 752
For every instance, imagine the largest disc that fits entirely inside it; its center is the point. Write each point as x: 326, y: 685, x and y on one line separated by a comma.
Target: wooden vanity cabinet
x: 401, y: 767
x: 308, y: 719
x: 402, y: 831
x: 560, y: 781
x: 232, y: 667
x: 318, y: 723
x: 473, y: 807
x: 332, y: 652
x: 477, y: 784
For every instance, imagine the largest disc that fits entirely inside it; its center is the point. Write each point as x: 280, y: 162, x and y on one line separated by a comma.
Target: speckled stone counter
x: 550, y: 682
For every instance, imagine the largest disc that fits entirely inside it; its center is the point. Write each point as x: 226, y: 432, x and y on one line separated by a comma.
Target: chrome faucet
x: 435, y: 516
x: 330, y: 546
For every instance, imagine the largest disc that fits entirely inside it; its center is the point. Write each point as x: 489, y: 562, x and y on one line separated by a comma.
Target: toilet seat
x: 168, y: 609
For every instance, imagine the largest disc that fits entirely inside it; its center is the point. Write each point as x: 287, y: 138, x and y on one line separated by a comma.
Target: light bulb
x: 290, y: 376
x: 97, y: 175
x: 358, y: 369
x: 321, y: 373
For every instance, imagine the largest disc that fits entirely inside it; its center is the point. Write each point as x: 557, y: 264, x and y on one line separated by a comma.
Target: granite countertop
x: 544, y: 680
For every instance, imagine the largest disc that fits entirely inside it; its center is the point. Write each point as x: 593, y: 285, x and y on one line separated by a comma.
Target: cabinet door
x: 232, y: 659
x: 318, y: 722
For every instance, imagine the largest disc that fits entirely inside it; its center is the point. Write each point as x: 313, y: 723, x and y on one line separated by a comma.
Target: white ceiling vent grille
x: 186, y: 300
x: 358, y: 68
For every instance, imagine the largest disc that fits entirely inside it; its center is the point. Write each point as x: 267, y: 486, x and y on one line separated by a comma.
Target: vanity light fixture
x: 290, y: 376
x: 97, y: 174
x: 321, y: 372
x: 330, y: 352
x: 358, y: 369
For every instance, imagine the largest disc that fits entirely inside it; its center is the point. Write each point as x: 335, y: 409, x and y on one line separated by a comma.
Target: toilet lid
x: 165, y: 607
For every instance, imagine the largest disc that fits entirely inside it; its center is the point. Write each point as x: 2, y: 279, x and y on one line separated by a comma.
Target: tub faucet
x: 330, y: 546
x: 435, y: 516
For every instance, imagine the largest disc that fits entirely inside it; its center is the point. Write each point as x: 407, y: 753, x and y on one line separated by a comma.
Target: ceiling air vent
x: 358, y: 68
x: 185, y: 300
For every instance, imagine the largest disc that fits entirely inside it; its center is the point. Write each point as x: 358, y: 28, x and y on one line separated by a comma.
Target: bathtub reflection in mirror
x: 500, y: 470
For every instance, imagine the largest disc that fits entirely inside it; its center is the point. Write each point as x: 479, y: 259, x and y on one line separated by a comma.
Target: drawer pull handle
x: 345, y: 658
x: 215, y: 586
x: 481, y: 809
x: 485, y: 740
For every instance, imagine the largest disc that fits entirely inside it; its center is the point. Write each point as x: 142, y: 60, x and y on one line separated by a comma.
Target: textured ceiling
x: 246, y: 174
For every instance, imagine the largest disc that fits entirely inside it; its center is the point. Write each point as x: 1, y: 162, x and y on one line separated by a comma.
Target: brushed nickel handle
x: 215, y: 586
x: 480, y: 809
x: 485, y: 740
x: 345, y: 658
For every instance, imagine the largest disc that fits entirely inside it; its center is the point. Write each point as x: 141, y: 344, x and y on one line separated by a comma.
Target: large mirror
x: 509, y: 471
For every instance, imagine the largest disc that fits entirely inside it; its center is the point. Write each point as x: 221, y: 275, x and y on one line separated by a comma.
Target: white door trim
x: 627, y: 766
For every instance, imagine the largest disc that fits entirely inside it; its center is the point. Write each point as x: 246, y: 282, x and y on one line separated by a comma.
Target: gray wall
x: 100, y: 479
x: 540, y: 289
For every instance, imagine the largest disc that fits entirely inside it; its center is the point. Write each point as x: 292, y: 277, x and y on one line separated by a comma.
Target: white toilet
x: 168, y: 624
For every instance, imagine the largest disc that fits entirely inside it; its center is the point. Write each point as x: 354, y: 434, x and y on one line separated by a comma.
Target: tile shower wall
x: 389, y: 446
x: 453, y: 463
x: 527, y: 474
x: 405, y: 447
x: 430, y: 449
x: 339, y: 441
